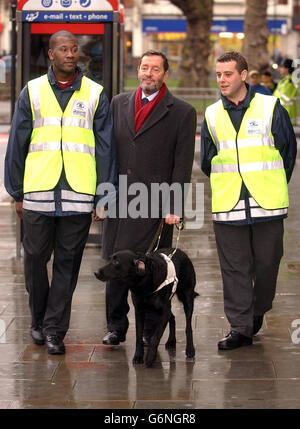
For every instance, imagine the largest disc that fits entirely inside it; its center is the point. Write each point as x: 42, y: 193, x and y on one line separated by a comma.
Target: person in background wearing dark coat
x: 254, y: 81
x: 155, y: 139
x: 267, y: 80
x: 60, y: 149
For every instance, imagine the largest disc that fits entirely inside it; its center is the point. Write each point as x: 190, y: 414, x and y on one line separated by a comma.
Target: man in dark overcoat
x: 155, y: 139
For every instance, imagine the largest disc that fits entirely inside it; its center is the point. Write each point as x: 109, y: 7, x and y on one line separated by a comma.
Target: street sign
x: 56, y: 16
x: 67, y: 10
x: 84, y: 5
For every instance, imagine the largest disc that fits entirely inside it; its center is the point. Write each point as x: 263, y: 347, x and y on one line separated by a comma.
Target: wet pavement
x: 93, y: 376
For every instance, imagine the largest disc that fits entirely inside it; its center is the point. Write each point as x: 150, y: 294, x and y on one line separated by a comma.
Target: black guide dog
x: 143, y: 274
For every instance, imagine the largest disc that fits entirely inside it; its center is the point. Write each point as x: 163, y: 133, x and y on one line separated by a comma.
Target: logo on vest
x: 79, y: 108
x: 253, y: 127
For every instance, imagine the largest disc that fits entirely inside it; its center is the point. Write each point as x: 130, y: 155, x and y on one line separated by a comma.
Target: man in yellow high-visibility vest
x: 286, y: 89
x: 248, y: 149
x: 60, y: 149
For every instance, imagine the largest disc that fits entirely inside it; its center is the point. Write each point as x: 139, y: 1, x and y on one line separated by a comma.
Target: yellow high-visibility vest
x: 286, y: 91
x: 248, y: 156
x: 62, y: 138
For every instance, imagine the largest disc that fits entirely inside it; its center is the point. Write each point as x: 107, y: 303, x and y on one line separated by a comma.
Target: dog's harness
x: 171, y: 275
x: 171, y: 271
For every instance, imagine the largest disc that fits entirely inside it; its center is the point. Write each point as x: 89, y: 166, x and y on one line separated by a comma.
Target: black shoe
x: 55, y: 345
x: 37, y: 335
x: 113, y: 338
x: 257, y: 323
x: 234, y: 340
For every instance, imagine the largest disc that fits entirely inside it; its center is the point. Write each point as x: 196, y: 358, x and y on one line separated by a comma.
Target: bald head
x: 54, y: 38
x: 63, y: 54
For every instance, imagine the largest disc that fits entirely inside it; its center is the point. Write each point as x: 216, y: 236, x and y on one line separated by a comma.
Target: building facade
x: 5, y: 28
x: 158, y: 24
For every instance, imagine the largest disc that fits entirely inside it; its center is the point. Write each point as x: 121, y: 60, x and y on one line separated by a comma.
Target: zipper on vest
x: 237, y: 156
x: 61, y: 120
x: 247, y: 204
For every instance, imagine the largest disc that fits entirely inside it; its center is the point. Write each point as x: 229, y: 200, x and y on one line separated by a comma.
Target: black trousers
x: 117, y: 294
x: 249, y: 259
x: 65, y: 237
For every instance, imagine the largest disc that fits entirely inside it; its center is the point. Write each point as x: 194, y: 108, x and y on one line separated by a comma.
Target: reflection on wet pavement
x: 91, y: 375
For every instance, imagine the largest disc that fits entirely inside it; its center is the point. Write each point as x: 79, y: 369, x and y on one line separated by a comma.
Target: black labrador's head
x: 123, y: 265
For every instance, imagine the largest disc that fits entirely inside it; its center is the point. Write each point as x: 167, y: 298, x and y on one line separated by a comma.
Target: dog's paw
x: 149, y: 363
x: 97, y: 275
x: 150, y: 356
x: 170, y: 345
x: 190, y: 353
x: 137, y: 359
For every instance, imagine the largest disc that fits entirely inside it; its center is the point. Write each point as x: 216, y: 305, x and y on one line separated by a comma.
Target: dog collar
x: 171, y: 275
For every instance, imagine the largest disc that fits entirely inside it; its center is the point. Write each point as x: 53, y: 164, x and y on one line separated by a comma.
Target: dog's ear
x: 140, y: 268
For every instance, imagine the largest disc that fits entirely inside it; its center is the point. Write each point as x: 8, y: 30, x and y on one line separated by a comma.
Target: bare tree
x: 194, y: 65
x: 256, y: 35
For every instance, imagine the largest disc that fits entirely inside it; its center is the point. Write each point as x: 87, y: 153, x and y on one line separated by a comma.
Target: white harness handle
x: 171, y: 275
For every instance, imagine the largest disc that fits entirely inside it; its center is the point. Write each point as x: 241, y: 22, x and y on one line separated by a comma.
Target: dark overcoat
x: 162, y: 151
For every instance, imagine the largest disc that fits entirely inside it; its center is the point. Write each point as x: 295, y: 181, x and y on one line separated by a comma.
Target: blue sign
x: 222, y: 25
x: 85, y: 3
x: 51, y: 16
x: 47, y: 3
x: 66, y: 3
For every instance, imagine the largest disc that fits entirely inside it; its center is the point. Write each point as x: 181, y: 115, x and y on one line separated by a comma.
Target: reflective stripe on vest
x: 239, y: 212
x: 62, y: 138
x: 249, y: 156
x: 70, y: 201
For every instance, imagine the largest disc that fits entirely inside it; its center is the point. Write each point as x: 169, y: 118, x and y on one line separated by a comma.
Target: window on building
x: 296, y: 8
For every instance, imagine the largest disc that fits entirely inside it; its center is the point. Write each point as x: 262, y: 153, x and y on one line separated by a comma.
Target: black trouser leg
x: 117, y: 306
x: 268, y: 251
x: 38, y: 244
x: 71, y: 234
x: 236, y: 262
x: 249, y: 258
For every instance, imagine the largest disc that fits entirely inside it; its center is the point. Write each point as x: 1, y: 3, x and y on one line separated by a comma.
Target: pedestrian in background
x: 155, y: 138
x: 248, y: 149
x: 286, y: 89
x: 60, y: 148
x: 254, y: 81
x: 267, y: 80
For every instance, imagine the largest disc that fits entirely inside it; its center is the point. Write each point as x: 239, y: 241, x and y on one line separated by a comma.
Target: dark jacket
x: 161, y: 151
x: 261, y: 89
x: 20, y: 133
x: 284, y: 140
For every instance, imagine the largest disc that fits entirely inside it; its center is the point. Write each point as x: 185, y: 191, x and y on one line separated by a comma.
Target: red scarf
x: 66, y: 84
x: 141, y: 112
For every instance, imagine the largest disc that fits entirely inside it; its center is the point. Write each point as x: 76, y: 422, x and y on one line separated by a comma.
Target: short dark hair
x: 160, y: 54
x: 241, y: 63
x: 267, y: 73
x: 61, y: 33
x: 288, y: 64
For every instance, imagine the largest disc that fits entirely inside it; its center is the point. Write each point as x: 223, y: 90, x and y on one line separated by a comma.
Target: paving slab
x: 91, y: 376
